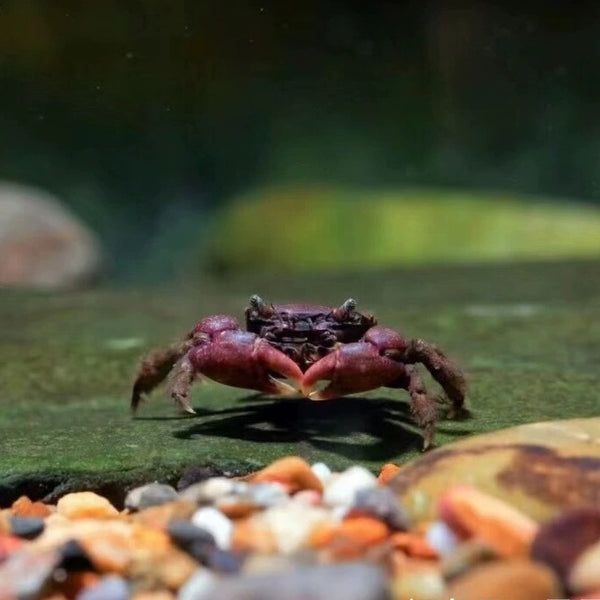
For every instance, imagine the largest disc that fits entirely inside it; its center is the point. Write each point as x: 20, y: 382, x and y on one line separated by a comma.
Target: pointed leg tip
x: 427, y: 444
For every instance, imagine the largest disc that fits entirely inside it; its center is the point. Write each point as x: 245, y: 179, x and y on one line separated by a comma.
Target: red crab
x: 303, y: 344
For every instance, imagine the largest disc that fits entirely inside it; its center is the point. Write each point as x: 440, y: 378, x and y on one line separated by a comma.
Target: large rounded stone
x: 541, y: 468
x: 518, y: 579
x: 41, y: 243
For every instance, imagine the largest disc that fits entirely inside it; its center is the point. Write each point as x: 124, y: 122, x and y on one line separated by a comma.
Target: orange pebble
x: 24, y: 507
x: 237, y: 510
x: 322, y: 534
x: 250, y: 535
x: 153, y: 595
x: 360, y: 531
x: 413, y: 544
x: 85, y: 505
x: 154, y: 540
x: 474, y: 514
x: 292, y: 471
x: 587, y: 595
x: 388, y: 471
x: 8, y: 545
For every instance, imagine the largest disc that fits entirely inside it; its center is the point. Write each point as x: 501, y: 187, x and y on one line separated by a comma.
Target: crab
x: 289, y: 349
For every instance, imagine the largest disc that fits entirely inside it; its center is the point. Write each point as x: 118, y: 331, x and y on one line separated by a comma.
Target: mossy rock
x: 542, y: 468
x: 305, y: 228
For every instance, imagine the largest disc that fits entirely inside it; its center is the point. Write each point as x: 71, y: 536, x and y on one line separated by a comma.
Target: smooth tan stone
x: 541, y: 468
x: 514, y: 579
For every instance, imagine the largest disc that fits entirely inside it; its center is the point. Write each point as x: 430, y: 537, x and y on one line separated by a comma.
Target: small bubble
x: 129, y: 55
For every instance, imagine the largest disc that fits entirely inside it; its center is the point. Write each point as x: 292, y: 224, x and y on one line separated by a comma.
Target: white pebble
x: 268, y: 493
x: 207, y: 492
x: 292, y: 523
x: 199, y: 585
x: 343, y: 487
x: 441, y: 538
x: 322, y: 471
x: 215, y: 522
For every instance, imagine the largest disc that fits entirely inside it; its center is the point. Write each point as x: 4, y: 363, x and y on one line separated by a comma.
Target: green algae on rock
x: 543, y: 468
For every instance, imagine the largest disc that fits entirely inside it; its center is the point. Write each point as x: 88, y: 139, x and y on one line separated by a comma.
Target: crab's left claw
x: 351, y: 368
x: 243, y: 359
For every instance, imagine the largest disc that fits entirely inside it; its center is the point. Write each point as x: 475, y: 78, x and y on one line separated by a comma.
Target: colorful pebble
x: 292, y: 531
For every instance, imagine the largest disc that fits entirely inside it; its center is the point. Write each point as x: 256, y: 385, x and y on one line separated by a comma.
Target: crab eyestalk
x: 341, y: 313
x: 260, y: 306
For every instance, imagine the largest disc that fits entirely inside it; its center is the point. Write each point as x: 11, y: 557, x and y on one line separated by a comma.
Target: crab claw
x: 242, y: 359
x: 351, y: 368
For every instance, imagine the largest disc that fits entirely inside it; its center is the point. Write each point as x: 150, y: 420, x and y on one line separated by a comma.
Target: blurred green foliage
x: 327, y: 228
x: 144, y: 116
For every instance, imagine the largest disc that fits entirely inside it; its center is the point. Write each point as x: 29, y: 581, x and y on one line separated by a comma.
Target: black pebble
x: 26, y: 527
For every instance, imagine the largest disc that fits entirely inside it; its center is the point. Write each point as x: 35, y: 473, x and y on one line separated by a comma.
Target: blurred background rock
x: 216, y: 136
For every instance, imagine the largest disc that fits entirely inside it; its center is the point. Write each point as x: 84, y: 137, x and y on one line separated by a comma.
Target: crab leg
x: 422, y: 408
x: 155, y: 368
x: 442, y: 369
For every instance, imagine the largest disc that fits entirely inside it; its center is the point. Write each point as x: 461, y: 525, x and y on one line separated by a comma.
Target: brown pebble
x: 560, y: 541
x: 511, y: 579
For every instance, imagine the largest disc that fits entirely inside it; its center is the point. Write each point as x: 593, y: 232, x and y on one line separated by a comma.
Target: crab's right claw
x: 351, y: 368
x: 242, y: 359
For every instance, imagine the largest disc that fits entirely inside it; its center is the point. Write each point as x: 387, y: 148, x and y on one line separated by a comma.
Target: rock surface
x: 543, y: 468
x: 42, y: 245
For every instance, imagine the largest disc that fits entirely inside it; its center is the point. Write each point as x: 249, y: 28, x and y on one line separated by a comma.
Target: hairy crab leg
x: 442, y: 369
x: 422, y: 407
x: 155, y: 368
x: 180, y: 381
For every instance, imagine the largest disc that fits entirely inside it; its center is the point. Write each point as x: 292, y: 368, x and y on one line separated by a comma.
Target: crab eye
x: 256, y: 301
x: 349, y: 305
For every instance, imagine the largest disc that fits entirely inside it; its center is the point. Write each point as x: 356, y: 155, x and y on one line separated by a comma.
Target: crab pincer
x: 350, y: 369
x: 243, y: 359
x: 384, y: 358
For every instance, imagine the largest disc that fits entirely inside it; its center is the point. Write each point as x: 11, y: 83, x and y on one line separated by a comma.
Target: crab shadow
x: 359, y: 428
